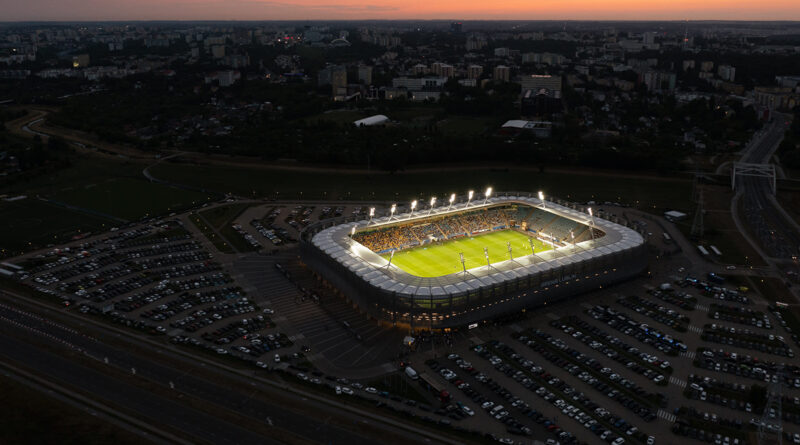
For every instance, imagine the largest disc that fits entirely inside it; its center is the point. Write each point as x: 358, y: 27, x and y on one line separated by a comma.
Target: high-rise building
x: 365, y: 74
x: 474, y: 71
x: 537, y: 81
x: 333, y: 75
x: 649, y: 38
x: 80, y: 61
x: 502, y: 73
x: 456, y: 27
x: 726, y: 72
x: 218, y: 51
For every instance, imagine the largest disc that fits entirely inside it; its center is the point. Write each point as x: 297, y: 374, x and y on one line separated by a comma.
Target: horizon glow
x: 131, y: 10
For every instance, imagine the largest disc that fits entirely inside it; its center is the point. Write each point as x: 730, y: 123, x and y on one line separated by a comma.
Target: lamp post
x: 591, y: 229
x: 530, y: 240
x: 510, y: 254
x: 463, y: 263
x: 469, y: 197
x: 486, y: 254
x: 413, y: 206
x: 433, y: 201
x: 391, y: 211
x: 452, y: 199
x: 487, y: 194
x: 371, y: 214
x: 541, y: 198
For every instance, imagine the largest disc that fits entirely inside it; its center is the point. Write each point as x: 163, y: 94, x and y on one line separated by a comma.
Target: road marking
x: 666, y: 416
x: 678, y: 382
x: 688, y: 354
x: 695, y: 329
x: 702, y: 307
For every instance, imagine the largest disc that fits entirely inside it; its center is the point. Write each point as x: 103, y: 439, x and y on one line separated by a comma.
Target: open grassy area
x: 466, y: 126
x: 209, y: 233
x: 34, y: 418
x: 222, y: 218
x: 130, y: 198
x: 31, y: 223
x: 653, y: 194
x: 443, y: 259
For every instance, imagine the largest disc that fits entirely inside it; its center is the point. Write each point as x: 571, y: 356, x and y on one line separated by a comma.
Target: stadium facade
x: 392, y: 296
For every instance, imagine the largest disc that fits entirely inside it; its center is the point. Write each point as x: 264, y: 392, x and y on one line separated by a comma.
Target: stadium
x: 470, y: 260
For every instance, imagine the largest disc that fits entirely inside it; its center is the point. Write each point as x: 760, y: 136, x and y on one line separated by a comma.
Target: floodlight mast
x: 433, y: 202
x: 530, y: 240
x: 486, y: 254
x: 510, y: 253
x: 452, y: 199
x: 463, y: 264
x: 391, y: 257
x: 413, y: 206
x: 541, y: 198
x: 487, y: 194
x: 469, y: 197
x: 591, y: 229
x: 392, y: 210
x: 572, y: 236
x: 371, y: 214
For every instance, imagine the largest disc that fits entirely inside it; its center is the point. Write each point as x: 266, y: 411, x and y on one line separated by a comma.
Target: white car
x: 651, y: 440
x: 277, y: 358
x: 347, y: 390
x: 371, y: 390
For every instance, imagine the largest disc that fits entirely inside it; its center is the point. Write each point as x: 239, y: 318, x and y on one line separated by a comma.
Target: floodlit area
x: 443, y: 259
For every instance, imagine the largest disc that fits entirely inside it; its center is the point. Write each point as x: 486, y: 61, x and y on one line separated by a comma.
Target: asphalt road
x: 43, y: 345
x: 766, y: 222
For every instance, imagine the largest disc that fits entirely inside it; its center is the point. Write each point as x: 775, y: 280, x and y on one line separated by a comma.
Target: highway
x: 139, y: 381
x: 767, y: 222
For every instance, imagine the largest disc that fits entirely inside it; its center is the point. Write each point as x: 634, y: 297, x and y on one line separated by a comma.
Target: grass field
x: 36, y: 224
x: 443, y: 259
x: 647, y: 194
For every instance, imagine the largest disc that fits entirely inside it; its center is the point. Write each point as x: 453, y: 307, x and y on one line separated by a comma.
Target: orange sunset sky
x: 399, y: 9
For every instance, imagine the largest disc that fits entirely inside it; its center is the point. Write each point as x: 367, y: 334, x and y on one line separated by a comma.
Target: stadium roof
x: 374, y: 269
x: 372, y: 120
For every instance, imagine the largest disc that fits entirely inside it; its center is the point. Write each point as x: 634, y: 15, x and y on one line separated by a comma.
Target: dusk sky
x: 399, y: 9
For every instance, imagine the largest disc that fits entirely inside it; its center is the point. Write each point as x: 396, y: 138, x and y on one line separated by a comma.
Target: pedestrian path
x: 701, y: 307
x: 666, y: 416
x: 677, y: 381
x: 695, y: 329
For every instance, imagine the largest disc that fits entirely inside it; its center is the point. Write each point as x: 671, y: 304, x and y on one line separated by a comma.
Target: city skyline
x: 87, y: 10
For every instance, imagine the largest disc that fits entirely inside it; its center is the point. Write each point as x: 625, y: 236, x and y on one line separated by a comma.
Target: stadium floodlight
x: 371, y: 214
x: 486, y: 254
x: 391, y: 256
x: 541, y: 198
x: 572, y: 236
x: 413, y: 206
x: 463, y: 263
x: 530, y: 240
x: 433, y: 202
x: 510, y: 254
x: 469, y: 197
x: 391, y: 211
x: 591, y: 229
x: 487, y: 194
x: 353, y: 231
x: 452, y: 199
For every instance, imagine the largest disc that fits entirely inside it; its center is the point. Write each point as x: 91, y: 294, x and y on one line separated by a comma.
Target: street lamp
x: 541, y: 198
x: 469, y: 197
x: 433, y: 201
x: 487, y: 194
x: 452, y: 199
x: 413, y: 206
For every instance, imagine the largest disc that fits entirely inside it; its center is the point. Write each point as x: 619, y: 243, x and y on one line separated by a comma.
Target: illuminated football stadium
x: 468, y: 259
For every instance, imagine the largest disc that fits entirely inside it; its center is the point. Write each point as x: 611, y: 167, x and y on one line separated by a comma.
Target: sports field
x: 443, y: 259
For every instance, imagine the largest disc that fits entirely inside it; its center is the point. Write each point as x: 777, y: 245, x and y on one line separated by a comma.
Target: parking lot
x: 658, y: 359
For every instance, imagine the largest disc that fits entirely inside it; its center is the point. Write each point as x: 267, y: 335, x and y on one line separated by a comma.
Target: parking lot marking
x: 695, y: 329
x: 678, y: 382
x: 702, y: 307
x: 666, y: 416
x: 688, y: 354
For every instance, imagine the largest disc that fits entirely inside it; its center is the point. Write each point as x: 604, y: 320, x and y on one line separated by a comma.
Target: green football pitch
x: 443, y: 259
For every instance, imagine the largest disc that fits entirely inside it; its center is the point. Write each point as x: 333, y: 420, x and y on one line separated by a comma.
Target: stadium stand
x: 537, y: 220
